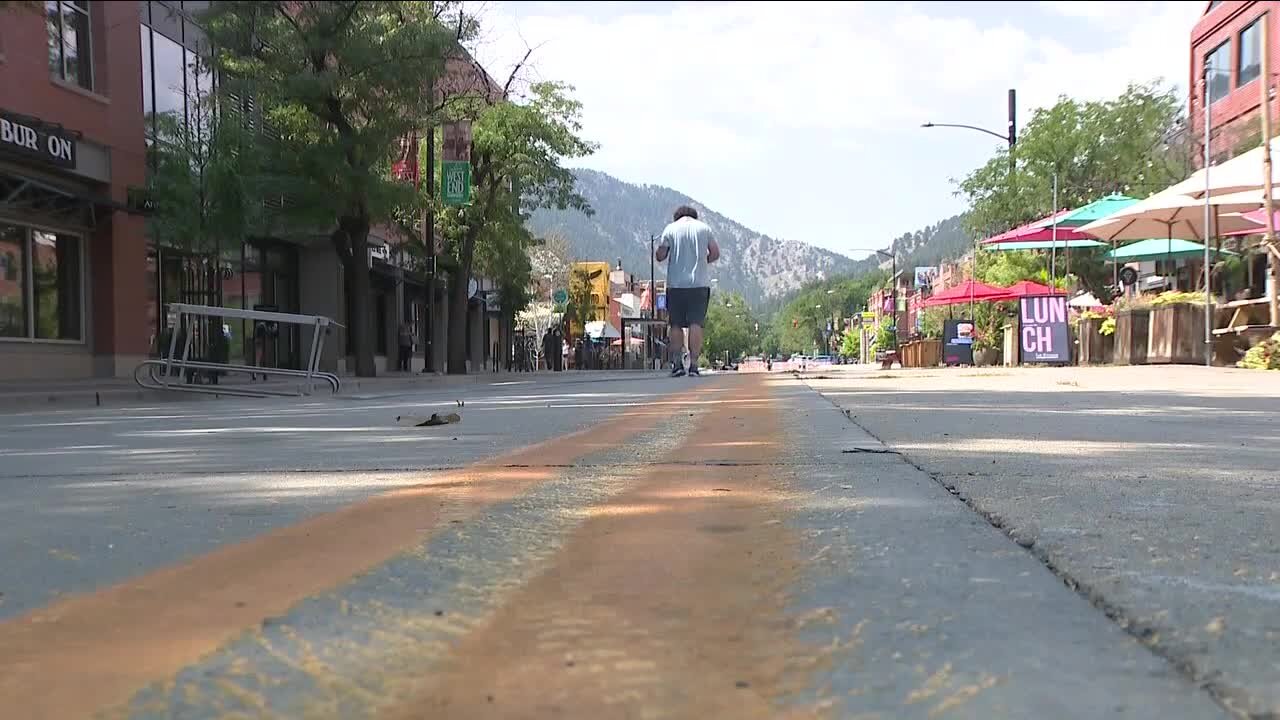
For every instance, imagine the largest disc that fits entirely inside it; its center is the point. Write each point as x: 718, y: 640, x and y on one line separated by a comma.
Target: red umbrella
x: 1025, y: 288
x: 968, y: 291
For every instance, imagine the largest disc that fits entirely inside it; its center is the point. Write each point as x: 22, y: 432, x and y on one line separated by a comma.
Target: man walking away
x: 688, y: 249
x: 406, y: 346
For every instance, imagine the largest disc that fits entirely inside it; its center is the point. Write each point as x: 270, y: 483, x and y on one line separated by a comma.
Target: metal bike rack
x: 171, y: 362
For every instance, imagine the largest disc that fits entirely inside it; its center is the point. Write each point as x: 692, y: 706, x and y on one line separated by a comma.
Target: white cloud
x: 720, y: 100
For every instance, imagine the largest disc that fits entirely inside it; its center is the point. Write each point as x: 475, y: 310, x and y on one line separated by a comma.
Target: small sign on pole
x: 455, y: 185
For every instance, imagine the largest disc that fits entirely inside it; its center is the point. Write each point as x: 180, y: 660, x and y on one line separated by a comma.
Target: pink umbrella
x: 1258, y: 216
x: 1037, y: 232
x: 966, y: 292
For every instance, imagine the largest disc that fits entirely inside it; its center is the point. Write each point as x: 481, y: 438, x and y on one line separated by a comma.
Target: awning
x: 37, y: 197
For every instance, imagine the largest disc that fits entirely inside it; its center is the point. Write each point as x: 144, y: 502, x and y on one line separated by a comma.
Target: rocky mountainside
x: 756, y: 265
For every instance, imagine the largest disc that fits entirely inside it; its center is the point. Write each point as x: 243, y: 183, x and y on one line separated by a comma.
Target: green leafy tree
x: 801, y: 324
x: 518, y: 149
x: 1129, y: 144
x: 851, y: 344
x: 729, y: 328
x: 580, y: 309
x: 338, y: 84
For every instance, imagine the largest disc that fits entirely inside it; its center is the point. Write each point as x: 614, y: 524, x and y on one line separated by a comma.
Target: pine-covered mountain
x: 945, y: 240
x: 756, y: 265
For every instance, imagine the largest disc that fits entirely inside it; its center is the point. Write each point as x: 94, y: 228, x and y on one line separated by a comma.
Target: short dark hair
x: 684, y: 211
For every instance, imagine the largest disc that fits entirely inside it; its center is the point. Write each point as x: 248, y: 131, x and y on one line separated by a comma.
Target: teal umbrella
x: 1158, y: 249
x: 1045, y: 245
x: 1096, y: 210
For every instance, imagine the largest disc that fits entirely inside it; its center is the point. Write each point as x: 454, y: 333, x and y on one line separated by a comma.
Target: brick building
x: 72, y: 257
x: 1228, y: 39
x: 86, y: 88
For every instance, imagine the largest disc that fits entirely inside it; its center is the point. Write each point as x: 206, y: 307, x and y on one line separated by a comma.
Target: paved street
x: 856, y: 543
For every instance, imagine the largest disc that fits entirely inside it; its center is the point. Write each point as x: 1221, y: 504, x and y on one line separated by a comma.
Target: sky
x: 802, y: 120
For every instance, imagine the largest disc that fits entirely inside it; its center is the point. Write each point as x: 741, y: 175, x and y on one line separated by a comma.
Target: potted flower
x: 1097, y: 334
x: 1132, y: 326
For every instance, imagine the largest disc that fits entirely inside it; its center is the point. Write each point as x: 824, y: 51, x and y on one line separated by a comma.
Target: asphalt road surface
x: 728, y: 547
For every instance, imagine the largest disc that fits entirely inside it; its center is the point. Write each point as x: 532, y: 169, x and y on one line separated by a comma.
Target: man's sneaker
x: 694, y: 371
x: 677, y: 371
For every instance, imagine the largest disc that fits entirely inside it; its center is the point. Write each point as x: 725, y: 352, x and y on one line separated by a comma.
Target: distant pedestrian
x: 688, y: 249
x: 406, y: 346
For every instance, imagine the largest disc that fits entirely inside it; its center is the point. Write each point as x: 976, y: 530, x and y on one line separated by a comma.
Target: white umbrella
x: 602, y: 329
x: 1238, y: 174
x: 1169, y: 214
x: 1087, y: 300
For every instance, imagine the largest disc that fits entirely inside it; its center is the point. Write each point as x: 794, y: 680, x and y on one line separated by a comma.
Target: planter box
x: 1095, y: 348
x: 922, y: 353
x: 986, y: 358
x: 1176, y: 335
x: 1131, y: 336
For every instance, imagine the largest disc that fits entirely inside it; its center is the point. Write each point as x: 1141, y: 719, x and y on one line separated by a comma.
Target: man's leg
x: 676, y: 347
x: 695, y: 344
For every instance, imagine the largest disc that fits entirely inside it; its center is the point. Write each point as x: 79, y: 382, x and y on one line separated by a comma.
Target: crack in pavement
x: 1144, y: 633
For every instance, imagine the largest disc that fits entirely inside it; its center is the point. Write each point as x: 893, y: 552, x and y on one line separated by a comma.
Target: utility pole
x: 1273, y: 252
x: 429, y: 234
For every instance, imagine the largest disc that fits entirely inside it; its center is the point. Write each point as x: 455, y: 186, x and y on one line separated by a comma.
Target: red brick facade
x: 1234, y: 118
x: 108, y: 121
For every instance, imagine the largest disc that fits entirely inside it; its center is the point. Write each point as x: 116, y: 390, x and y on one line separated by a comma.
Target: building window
x: 13, y: 281
x: 70, y: 50
x: 41, y: 284
x: 1218, y: 67
x: 1250, y: 58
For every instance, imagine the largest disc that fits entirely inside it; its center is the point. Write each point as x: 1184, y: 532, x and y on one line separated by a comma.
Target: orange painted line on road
x: 94, y: 651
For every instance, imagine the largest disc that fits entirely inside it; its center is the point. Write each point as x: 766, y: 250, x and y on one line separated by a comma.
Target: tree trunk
x: 361, y: 320
x: 459, y: 278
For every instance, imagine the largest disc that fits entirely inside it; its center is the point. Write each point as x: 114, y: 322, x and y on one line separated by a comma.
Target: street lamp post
x: 1010, y: 137
x: 893, y: 281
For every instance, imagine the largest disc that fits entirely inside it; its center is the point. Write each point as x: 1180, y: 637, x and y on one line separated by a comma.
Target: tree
x: 729, y: 327
x: 518, y: 143
x: 851, y: 344
x: 802, y: 322
x: 1130, y: 144
x: 338, y: 85
x: 580, y: 309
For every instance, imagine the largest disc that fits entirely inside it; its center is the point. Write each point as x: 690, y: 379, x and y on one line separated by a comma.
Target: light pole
x: 893, y: 277
x: 1010, y: 137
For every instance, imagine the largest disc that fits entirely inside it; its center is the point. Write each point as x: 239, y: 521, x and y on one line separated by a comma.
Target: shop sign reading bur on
x: 34, y: 139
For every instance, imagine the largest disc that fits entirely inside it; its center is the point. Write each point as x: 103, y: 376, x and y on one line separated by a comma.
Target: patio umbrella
x: 1046, y: 245
x: 597, y: 329
x: 1038, y: 231
x: 1096, y: 210
x: 1258, y: 216
x: 968, y: 291
x: 1155, y: 249
x: 1086, y: 300
x: 1173, y: 215
x: 1240, y: 173
x: 1026, y: 288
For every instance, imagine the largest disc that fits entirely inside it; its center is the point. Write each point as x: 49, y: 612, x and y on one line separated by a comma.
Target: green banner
x: 455, y: 182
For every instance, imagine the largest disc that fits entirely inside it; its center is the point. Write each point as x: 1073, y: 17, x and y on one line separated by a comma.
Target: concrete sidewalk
x: 123, y: 392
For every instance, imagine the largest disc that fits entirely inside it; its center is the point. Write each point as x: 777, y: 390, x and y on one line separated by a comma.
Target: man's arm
x: 663, y: 250
x: 713, y: 250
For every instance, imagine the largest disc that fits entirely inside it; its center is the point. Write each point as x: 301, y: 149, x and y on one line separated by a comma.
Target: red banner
x: 405, y: 167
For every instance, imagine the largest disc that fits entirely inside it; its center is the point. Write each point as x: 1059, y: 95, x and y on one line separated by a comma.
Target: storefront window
x: 41, y: 284
x: 55, y: 271
x: 13, y: 281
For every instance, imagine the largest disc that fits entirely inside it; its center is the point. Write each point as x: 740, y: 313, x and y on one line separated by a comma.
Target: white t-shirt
x: 688, y: 241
